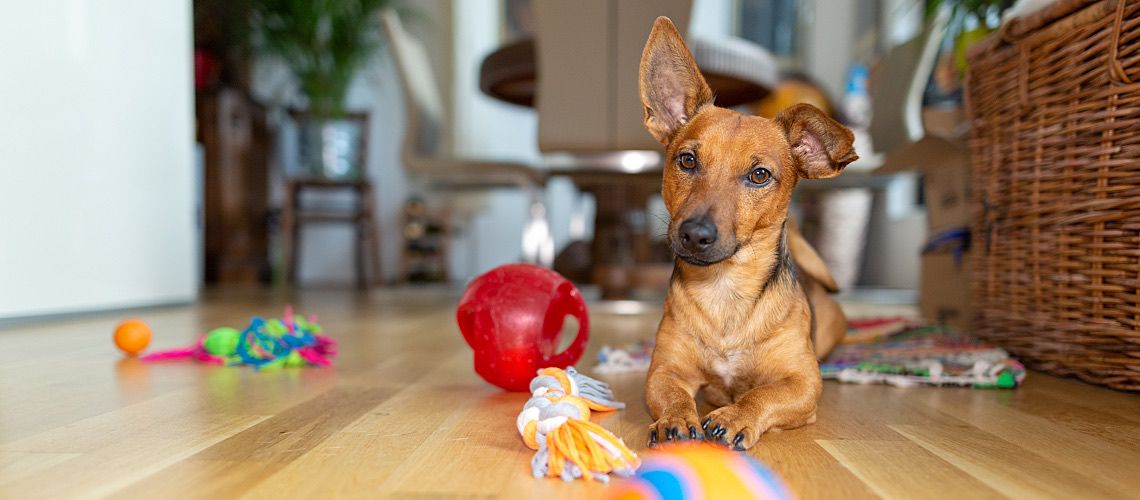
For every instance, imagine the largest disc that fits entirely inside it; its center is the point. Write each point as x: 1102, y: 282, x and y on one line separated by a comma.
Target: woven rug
x: 895, y: 351
x: 922, y: 355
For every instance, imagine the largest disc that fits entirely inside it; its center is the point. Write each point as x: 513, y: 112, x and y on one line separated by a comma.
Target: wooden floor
x: 403, y: 415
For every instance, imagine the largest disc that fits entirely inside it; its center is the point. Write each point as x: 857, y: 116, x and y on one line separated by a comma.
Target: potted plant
x: 971, y: 21
x: 324, y: 43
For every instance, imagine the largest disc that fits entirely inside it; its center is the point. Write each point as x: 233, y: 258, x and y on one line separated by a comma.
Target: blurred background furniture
x: 232, y: 129
x: 423, y: 149
x: 590, y: 128
x: 603, y: 39
x: 923, y: 139
x: 361, y: 215
x: 360, y: 212
x: 426, y: 233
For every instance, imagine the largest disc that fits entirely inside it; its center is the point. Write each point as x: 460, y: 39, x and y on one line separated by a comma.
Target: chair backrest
x: 588, y: 56
x: 896, y: 113
x: 422, y: 98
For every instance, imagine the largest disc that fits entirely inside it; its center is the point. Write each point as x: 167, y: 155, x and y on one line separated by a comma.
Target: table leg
x: 621, y: 239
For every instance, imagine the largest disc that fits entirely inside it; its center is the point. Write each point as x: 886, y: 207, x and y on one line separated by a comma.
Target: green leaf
x: 325, y: 43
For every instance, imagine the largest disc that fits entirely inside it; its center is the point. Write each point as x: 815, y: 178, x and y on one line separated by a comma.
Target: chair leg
x: 372, y: 233
x: 538, y: 244
x: 358, y: 253
x: 612, y: 246
x: 289, y: 233
x: 359, y: 234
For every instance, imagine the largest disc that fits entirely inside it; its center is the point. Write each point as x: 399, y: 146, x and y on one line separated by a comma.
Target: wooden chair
x: 361, y: 215
x: 427, y: 160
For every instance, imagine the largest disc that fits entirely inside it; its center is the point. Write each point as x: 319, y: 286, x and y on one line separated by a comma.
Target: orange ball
x: 132, y: 336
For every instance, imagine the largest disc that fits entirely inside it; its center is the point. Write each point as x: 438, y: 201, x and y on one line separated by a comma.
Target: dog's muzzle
x: 697, y: 242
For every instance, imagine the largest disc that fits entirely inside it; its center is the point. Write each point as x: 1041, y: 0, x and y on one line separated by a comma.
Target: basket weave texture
x: 1054, y: 106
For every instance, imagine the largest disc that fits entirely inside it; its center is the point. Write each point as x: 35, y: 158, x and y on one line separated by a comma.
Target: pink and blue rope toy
x: 265, y: 344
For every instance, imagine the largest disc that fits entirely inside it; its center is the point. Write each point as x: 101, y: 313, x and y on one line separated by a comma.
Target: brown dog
x: 740, y: 321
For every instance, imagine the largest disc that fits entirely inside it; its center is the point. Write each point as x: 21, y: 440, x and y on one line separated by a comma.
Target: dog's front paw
x: 731, y: 427
x: 670, y: 428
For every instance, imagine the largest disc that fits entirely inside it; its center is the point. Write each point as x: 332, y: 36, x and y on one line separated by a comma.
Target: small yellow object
x: 555, y: 423
x: 789, y: 93
x: 132, y: 336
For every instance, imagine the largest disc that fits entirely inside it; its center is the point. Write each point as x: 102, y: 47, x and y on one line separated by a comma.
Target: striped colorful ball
x: 701, y: 471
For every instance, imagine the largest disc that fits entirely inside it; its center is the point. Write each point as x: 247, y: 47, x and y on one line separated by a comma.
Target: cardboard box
x: 941, y: 156
x: 945, y: 293
x: 945, y: 165
x: 947, y: 192
x: 945, y: 121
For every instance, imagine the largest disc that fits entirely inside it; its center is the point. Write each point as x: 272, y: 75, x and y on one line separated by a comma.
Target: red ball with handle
x: 512, y: 317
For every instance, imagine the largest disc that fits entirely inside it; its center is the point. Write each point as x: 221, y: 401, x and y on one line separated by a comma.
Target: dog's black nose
x: 697, y: 235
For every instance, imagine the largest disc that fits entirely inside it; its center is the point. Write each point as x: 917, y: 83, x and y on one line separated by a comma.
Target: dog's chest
x: 722, y: 366
x: 725, y: 364
x: 724, y: 323
x: 724, y: 299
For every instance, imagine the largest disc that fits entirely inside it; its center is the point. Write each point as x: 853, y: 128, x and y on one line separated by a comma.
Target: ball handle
x: 570, y: 300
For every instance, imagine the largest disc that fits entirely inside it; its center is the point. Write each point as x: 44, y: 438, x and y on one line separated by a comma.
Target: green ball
x: 294, y: 359
x: 222, y: 341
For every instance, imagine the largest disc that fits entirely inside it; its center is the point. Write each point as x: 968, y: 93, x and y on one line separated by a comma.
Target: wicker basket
x: 1054, y: 104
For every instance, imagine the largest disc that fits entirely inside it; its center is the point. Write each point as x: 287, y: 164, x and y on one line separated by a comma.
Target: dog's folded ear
x: 672, y: 87
x: 821, y: 145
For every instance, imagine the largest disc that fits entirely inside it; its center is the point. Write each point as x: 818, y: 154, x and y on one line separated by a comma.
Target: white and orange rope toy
x: 555, y: 422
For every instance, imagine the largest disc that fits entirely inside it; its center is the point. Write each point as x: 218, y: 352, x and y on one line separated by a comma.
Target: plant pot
x: 331, y: 148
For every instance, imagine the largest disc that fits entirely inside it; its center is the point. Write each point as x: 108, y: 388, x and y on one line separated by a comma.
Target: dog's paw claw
x: 724, y: 426
x: 716, y: 433
x: 693, y: 434
x: 672, y: 429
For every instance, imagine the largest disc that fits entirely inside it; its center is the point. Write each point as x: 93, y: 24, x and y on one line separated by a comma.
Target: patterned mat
x: 895, y: 351
x: 923, y: 355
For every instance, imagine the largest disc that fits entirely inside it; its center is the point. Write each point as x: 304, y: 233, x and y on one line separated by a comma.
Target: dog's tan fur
x: 739, y: 315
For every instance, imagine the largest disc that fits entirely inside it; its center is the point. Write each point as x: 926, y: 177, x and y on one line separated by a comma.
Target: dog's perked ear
x: 672, y: 87
x: 821, y: 146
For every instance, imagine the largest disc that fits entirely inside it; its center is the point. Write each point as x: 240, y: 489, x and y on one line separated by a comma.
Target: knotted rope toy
x: 290, y: 341
x: 555, y: 422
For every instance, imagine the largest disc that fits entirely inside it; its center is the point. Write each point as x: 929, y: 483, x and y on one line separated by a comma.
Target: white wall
x: 714, y: 18
x: 97, y: 187
x: 828, y: 45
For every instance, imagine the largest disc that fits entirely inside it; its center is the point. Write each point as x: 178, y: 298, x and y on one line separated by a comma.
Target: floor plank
x: 382, y: 440
x: 1090, y: 456
x: 1077, y: 393
x: 19, y: 464
x: 403, y: 415
x: 808, y: 468
x: 899, y: 469
x: 104, y: 469
x: 1005, y: 466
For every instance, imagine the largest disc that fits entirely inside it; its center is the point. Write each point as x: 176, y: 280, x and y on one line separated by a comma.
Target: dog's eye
x: 687, y: 161
x: 759, y: 176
